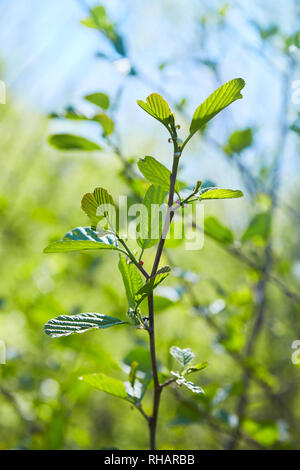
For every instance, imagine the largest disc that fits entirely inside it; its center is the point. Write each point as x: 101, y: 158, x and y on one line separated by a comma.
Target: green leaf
x: 196, y: 368
x: 156, y: 173
x: 258, y: 229
x: 264, y: 432
x: 132, y: 372
x: 65, y: 325
x: 106, y: 384
x: 293, y: 41
x: 98, y: 17
x: 152, y: 283
x: 99, y: 20
x: 98, y: 205
x: 190, y: 385
x: 72, y: 142
x: 151, y: 225
x: 106, y: 123
x: 183, y: 356
x: 83, y: 238
x: 214, y: 229
x: 157, y: 107
x: 99, y: 99
x: 217, y: 193
x: 239, y: 141
x: 216, y: 102
x: 131, y: 279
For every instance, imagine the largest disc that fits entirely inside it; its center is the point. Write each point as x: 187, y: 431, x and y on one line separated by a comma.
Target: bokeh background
x: 235, y: 302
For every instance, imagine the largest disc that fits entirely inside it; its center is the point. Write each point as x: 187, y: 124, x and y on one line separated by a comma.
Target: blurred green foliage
x: 212, y: 304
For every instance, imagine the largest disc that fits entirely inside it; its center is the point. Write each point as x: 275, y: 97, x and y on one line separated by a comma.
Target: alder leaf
x: 83, y: 238
x: 65, y: 325
x: 216, y: 102
x: 157, y: 107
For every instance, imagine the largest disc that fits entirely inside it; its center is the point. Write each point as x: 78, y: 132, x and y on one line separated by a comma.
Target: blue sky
x: 49, y: 61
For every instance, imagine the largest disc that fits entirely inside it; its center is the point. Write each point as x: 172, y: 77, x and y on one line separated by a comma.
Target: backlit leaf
x: 183, y: 356
x: 152, y: 283
x: 83, y: 238
x: 190, y: 385
x: 131, y: 279
x: 156, y: 173
x: 151, y: 224
x: 216, y: 102
x: 106, y: 384
x: 65, y: 325
x: 217, y: 193
x: 157, y: 107
x: 99, y: 205
x: 196, y: 368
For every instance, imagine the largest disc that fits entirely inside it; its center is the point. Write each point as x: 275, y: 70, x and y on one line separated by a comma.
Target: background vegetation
x: 235, y: 302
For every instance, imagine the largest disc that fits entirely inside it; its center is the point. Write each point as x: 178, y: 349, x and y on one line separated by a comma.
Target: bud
x: 134, y: 316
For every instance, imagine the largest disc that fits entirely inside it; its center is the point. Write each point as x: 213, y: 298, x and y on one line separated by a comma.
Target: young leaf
x: 183, y: 356
x: 214, y: 229
x: 216, y: 102
x: 190, y: 385
x: 106, y: 123
x: 196, y: 368
x: 131, y: 279
x: 152, y: 283
x: 65, y: 325
x: 132, y: 372
x: 157, y: 107
x: 99, y: 99
x: 217, y: 193
x: 72, y: 142
x: 151, y: 224
x: 156, y: 173
x: 97, y: 205
x: 83, y: 238
x: 106, y: 384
